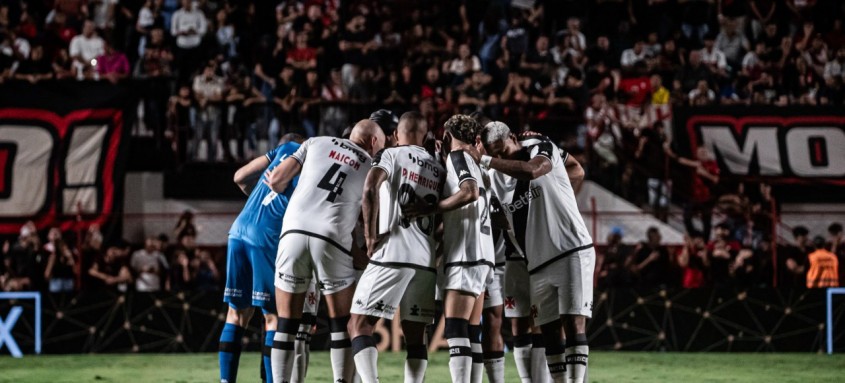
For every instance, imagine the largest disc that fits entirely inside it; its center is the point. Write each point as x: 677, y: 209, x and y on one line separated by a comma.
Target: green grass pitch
x: 604, y: 367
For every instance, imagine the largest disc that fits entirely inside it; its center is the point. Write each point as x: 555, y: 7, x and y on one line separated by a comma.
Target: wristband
x: 485, y: 161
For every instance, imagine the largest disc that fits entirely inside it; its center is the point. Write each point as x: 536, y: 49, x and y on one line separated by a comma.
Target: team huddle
x: 389, y: 220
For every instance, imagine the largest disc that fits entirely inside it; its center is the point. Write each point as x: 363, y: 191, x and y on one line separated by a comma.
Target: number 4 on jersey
x: 335, y: 187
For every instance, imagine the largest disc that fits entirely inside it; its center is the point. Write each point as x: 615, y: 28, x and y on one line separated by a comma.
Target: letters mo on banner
x: 775, y: 143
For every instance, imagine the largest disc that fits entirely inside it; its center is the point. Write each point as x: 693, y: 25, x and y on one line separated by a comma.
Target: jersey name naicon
x: 344, y: 159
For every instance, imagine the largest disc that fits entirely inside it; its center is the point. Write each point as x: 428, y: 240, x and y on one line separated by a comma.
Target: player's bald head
x: 368, y: 135
x: 412, y: 129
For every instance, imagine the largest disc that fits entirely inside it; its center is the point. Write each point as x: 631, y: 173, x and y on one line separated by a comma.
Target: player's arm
x: 467, y: 194
x: 279, y: 179
x: 370, y: 207
x: 247, y: 176
x: 523, y: 170
x: 575, y: 172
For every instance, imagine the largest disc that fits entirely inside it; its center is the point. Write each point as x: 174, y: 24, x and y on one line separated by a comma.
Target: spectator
x: 538, y: 60
x: 188, y: 25
x: 225, y: 35
x: 208, y: 92
x: 650, y: 263
x: 302, y: 57
x: 713, y: 58
x: 601, y: 53
x: 477, y: 95
x: 63, y: 65
x: 181, y: 276
x: 722, y: 251
x: 19, y: 260
x: 464, y: 64
x: 206, y: 277
x: 515, y: 41
x: 36, y: 68
x: 61, y: 263
x: 634, y: 55
x: 333, y: 117
x: 693, y: 262
x: 824, y: 266
x: 110, y: 272
x: 704, y: 177
x: 185, y: 225
x: 610, y: 264
x: 112, y: 65
x: 149, y: 266
x: 692, y: 73
x: 652, y: 152
x: 732, y: 43
x: 762, y: 14
x: 575, y: 40
x: 702, y: 94
x: 793, y: 259
x: 834, y: 70
x: 84, y: 50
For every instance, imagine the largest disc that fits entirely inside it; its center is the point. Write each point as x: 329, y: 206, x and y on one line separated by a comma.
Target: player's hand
x: 372, y: 244
x: 266, y: 179
x: 360, y: 258
x: 418, y: 208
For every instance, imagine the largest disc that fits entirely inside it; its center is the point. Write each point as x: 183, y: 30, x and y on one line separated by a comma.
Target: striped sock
x: 416, y: 363
x: 265, y: 355
x: 343, y: 366
x: 460, y: 352
x: 302, y: 348
x: 477, y: 374
x: 556, y: 360
x: 522, y: 356
x: 539, y: 365
x: 494, y: 365
x: 230, y: 352
x: 281, y: 357
x: 577, y: 356
x: 366, y: 358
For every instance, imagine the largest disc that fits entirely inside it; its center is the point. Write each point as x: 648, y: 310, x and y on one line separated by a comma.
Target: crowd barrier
x: 694, y: 320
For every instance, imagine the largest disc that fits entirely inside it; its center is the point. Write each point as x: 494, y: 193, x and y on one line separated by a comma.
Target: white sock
x: 557, y: 367
x: 477, y: 374
x: 281, y: 356
x: 495, y: 368
x: 366, y: 358
x: 576, y: 362
x: 460, y: 360
x: 416, y: 364
x: 522, y: 357
x: 302, y: 352
x: 343, y: 366
x: 539, y: 366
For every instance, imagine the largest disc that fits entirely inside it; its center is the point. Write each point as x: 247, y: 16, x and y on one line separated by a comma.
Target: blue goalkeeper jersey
x: 260, y: 221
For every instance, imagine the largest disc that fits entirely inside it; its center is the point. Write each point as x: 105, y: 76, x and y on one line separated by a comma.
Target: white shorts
x: 517, y: 291
x: 469, y: 279
x: 564, y: 287
x: 493, y: 292
x: 302, y: 257
x: 383, y: 289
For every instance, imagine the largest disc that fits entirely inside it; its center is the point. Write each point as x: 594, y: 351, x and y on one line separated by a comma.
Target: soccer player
x: 387, y: 121
x: 467, y: 245
x: 560, y: 253
x: 317, y: 239
x: 253, y: 238
x: 401, y: 271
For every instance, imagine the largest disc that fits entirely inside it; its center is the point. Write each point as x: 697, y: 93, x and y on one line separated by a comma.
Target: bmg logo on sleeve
x: 20, y: 318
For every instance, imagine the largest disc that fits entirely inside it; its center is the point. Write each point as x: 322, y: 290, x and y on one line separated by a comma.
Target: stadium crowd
x: 217, y: 77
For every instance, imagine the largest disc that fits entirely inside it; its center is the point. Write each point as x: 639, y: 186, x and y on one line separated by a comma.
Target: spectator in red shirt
x: 692, y: 260
x: 112, y: 65
x: 302, y: 57
x: 704, y: 177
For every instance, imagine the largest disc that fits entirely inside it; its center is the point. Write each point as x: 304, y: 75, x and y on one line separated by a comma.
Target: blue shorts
x: 249, y: 276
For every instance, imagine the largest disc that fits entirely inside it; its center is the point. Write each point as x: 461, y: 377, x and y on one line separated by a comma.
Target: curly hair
x: 463, y: 127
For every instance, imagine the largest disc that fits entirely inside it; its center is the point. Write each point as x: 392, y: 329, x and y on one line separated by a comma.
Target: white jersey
x: 411, y: 171
x: 545, y: 216
x: 327, y: 200
x: 467, y: 232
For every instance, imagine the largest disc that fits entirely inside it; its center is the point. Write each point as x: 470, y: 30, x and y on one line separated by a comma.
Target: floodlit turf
x: 605, y: 367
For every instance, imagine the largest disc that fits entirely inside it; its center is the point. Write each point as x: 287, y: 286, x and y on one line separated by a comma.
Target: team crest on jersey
x: 510, y: 302
x: 312, y: 298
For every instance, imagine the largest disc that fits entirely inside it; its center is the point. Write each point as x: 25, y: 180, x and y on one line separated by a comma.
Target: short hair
x: 385, y: 119
x: 834, y: 228
x: 463, y: 127
x: 414, y: 118
x: 495, y: 131
x: 800, y: 231
x: 723, y: 225
x: 652, y: 230
x: 819, y: 242
x: 295, y: 137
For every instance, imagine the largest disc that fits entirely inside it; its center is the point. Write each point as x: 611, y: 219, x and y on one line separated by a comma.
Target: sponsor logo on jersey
x: 523, y: 200
x: 361, y: 156
x: 425, y: 163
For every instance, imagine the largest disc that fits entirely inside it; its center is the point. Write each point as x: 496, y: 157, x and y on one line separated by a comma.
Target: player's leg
x: 292, y: 277
x: 417, y: 311
x: 307, y: 326
x: 544, y: 295
x: 239, y: 283
x: 262, y: 260
x: 517, y: 307
x: 457, y: 307
x: 492, y: 342
x: 336, y: 279
x: 477, y: 374
x: 576, y: 306
x: 271, y: 322
x: 376, y: 296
